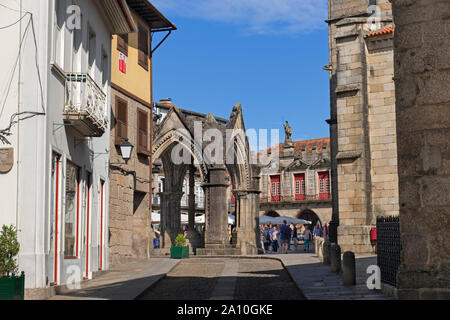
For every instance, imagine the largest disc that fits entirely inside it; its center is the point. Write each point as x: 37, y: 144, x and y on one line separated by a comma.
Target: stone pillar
x: 193, y: 236
x: 216, y: 233
x: 422, y: 81
x: 170, y: 217
x: 191, y: 198
x: 349, y: 269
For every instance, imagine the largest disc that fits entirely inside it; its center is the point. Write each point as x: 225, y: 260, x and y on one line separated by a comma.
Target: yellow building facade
x: 130, y: 233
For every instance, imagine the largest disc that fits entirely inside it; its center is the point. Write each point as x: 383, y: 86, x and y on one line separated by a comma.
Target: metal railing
x: 314, y: 197
x: 84, y: 96
x: 389, y: 247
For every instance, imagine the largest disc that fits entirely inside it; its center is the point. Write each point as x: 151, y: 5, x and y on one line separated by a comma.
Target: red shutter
x: 275, y: 188
x: 324, y: 185
x: 299, y: 186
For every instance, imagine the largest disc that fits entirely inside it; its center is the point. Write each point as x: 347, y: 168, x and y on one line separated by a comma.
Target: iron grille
x: 389, y: 248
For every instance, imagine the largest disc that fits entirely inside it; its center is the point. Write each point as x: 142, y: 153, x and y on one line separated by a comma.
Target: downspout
x: 19, y: 78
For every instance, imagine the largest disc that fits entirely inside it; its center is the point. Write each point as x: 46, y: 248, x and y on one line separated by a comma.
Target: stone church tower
x: 363, y: 121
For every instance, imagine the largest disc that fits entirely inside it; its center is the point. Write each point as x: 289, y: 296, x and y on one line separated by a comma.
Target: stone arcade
x: 179, y: 133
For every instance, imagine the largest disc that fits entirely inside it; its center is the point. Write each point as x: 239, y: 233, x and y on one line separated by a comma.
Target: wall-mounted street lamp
x: 126, y: 150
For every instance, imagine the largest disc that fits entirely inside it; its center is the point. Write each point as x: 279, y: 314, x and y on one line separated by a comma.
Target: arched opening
x: 272, y: 214
x: 309, y: 215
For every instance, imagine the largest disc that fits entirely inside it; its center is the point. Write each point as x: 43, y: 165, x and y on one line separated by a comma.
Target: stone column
x: 422, y: 83
x: 216, y: 234
x: 170, y: 217
x: 192, y: 235
x: 191, y: 198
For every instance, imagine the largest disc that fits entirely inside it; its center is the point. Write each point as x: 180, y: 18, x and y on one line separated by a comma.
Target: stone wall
x: 130, y: 234
x: 382, y: 124
x: 363, y: 106
x: 422, y: 73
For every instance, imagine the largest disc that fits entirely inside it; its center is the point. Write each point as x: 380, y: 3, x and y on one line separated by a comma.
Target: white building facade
x: 54, y: 133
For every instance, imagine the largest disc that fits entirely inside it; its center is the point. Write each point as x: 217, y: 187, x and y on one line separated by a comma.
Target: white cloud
x: 253, y: 16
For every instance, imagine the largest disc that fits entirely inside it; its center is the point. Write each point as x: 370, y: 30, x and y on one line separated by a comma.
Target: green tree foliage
x: 9, y: 249
x: 180, y: 241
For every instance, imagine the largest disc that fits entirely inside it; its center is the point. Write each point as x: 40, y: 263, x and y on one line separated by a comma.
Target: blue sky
x: 266, y: 54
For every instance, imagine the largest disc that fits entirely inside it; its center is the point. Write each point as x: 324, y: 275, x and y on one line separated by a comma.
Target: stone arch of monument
x: 180, y: 137
x: 272, y: 214
x: 310, y: 215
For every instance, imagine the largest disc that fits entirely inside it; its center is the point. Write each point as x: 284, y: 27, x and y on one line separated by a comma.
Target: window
x: 91, y: 54
x: 122, y: 43
x: 121, y: 126
x: 324, y: 147
x: 324, y: 185
x: 300, y: 186
x: 275, y: 188
x: 143, y: 47
x: 142, y: 132
x: 72, y: 210
x: 105, y: 69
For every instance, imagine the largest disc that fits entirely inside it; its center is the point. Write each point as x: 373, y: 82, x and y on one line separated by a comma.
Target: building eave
x: 118, y: 15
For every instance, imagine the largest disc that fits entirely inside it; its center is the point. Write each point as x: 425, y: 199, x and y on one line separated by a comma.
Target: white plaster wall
x: 34, y: 139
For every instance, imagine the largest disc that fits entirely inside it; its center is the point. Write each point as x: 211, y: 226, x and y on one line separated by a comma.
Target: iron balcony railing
x: 85, y: 97
x: 304, y: 198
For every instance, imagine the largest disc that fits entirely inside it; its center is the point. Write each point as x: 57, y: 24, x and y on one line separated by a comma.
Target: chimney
x: 165, y: 102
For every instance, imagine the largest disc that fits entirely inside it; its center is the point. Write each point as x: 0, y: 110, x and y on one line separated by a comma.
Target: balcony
x: 85, y: 105
x: 293, y: 199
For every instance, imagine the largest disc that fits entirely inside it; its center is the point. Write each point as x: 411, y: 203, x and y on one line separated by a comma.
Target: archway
x: 178, y: 133
x: 272, y: 214
x: 309, y: 215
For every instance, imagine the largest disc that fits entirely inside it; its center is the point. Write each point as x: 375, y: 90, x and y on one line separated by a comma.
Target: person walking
x: 318, y: 230
x: 266, y: 239
x: 294, y: 237
x: 285, y: 234
x: 274, y: 239
x: 307, y: 238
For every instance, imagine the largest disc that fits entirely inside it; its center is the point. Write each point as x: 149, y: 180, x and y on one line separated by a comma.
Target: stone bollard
x: 335, y: 258
x: 326, y: 252
x: 349, y: 269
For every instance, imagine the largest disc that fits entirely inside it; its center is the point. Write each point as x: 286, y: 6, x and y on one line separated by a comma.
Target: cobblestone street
x: 231, y: 279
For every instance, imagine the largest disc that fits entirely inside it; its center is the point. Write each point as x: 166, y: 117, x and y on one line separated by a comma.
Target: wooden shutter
x: 122, y: 43
x: 143, y: 47
x: 142, y: 132
x: 121, y: 127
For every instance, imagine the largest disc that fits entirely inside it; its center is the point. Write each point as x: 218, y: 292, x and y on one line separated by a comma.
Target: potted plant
x: 12, y: 287
x: 180, y: 250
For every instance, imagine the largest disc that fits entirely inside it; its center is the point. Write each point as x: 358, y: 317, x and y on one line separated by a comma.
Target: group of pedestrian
x: 277, y: 237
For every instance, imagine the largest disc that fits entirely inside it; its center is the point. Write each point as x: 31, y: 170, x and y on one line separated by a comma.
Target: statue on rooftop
x: 288, y: 131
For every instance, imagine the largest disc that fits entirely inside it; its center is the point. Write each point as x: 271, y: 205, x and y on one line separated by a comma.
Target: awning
x: 154, y: 18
